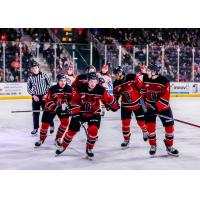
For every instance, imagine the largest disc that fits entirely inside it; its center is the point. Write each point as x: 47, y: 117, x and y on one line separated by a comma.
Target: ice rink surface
x: 18, y: 152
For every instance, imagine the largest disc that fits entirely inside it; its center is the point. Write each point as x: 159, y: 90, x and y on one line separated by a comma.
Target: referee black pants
x: 36, y: 115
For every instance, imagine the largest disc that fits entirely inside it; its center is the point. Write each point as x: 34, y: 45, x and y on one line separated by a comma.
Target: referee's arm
x: 30, y: 87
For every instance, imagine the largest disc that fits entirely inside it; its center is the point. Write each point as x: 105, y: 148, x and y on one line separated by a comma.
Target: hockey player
x: 156, y: 89
x: 105, y: 78
x: 138, y: 78
x: 125, y: 87
x: 57, y: 103
x: 70, y: 76
x: 86, y: 108
x: 83, y: 78
x: 106, y: 81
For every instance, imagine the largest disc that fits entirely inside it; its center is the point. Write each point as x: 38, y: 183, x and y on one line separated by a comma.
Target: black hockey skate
x: 171, y: 150
x: 145, y: 136
x: 34, y: 132
x: 90, y: 154
x: 152, y: 150
x: 39, y: 143
x: 125, y: 144
x: 51, y: 129
x: 60, y: 150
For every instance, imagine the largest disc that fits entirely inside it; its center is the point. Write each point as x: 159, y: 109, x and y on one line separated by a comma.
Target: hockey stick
x: 85, y: 129
x: 178, y: 120
x: 24, y: 111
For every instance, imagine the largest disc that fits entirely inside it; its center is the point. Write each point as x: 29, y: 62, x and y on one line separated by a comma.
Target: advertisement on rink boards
x: 13, y: 89
x: 184, y: 88
x: 20, y: 89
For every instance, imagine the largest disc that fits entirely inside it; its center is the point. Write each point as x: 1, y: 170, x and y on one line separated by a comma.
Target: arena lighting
x: 64, y: 39
x: 67, y: 29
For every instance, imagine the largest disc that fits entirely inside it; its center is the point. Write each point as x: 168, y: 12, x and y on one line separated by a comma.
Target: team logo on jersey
x: 154, y: 96
x: 87, y: 106
x: 127, y: 96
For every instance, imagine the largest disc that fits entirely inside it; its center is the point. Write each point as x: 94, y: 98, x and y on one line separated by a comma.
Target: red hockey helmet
x: 104, y: 68
x: 69, y: 68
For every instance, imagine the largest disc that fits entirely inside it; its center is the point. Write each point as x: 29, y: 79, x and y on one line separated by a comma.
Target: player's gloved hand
x: 115, y: 108
x: 52, y: 107
x: 36, y: 98
x: 44, y: 97
x: 107, y: 107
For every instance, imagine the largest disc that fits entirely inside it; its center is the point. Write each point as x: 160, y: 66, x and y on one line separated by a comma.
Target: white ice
x: 17, y: 145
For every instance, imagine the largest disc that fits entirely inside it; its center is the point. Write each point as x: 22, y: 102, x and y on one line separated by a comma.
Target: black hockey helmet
x: 60, y: 76
x: 92, y: 76
x: 90, y: 69
x: 154, y: 68
x: 118, y: 69
x: 34, y: 64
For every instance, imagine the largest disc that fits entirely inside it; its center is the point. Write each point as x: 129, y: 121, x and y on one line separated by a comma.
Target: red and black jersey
x: 83, y: 98
x: 57, y: 95
x: 156, y: 92
x: 81, y: 78
x: 127, y: 89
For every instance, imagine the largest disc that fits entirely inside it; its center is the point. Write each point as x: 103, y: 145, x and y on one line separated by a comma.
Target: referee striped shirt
x: 38, y: 84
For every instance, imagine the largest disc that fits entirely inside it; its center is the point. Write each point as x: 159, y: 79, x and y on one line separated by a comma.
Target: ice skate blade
x: 174, y: 155
x: 89, y: 158
x: 153, y: 156
x: 37, y: 147
x: 124, y: 148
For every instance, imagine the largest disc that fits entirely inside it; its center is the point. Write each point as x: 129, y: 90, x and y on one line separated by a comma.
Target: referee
x: 37, y: 86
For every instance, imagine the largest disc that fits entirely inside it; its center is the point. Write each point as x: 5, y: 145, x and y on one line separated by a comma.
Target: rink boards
x: 9, y: 91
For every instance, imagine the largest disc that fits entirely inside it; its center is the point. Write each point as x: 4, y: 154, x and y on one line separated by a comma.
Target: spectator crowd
x: 30, y: 39
x: 135, y: 42
x: 134, y: 50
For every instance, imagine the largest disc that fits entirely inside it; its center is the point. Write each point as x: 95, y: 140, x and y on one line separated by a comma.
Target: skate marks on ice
x: 17, y: 146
